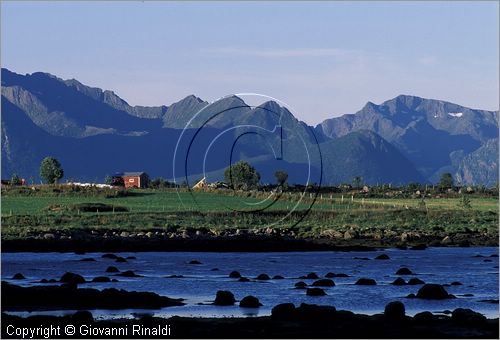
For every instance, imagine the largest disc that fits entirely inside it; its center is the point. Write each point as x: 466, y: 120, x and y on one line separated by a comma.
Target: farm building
x: 134, y: 179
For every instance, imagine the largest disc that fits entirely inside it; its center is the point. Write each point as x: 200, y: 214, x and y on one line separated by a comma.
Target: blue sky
x: 322, y: 58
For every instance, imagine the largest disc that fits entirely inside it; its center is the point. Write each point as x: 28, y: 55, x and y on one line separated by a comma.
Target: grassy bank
x: 29, y: 214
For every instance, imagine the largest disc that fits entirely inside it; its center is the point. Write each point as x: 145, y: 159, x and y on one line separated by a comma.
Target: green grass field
x: 172, y: 201
x: 24, y: 214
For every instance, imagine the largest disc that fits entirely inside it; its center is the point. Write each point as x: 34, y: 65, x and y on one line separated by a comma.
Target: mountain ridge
x: 425, y: 135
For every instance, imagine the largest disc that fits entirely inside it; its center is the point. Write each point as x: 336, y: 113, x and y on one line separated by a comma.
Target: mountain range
x: 94, y: 133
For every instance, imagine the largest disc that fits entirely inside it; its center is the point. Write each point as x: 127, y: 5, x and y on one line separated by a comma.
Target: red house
x: 135, y: 179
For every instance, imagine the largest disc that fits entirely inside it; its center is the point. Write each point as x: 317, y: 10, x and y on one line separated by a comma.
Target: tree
x: 159, y: 183
x: 14, y: 180
x: 242, y: 176
x: 357, y: 181
x: 51, y: 170
x: 281, y: 178
x: 108, y: 180
x: 446, y: 181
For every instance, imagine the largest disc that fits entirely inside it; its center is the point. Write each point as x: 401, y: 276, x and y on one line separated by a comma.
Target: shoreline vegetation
x: 71, y: 218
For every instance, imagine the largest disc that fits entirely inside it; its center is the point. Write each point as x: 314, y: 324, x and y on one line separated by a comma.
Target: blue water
x: 433, y: 265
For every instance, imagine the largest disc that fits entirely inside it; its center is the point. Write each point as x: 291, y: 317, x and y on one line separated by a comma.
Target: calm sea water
x: 200, y: 282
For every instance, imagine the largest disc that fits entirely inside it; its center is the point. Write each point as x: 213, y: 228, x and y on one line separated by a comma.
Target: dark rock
x: 82, y: 317
x: 315, y: 313
x: 487, y: 260
x: 423, y: 317
x: 250, y: 302
x: 283, y: 312
x: 315, y: 292
x: 489, y: 301
x: 101, y: 279
x: 234, y: 275
x: 366, y: 282
x: 362, y: 258
x: 18, y: 276
x: 72, y: 278
x: 120, y: 259
x: 398, y: 282
x: 323, y: 283
x: 395, y: 310
x: 278, y: 277
x: 194, y: 262
x: 174, y: 277
x: 129, y: 273
x: 310, y: 276
x: 224, y: 298
x: 419, y: 247
x: 415, y: 281
x: 44, y: 281
x: 109, y: 256
x: 263, y: 277
x: 404, y: 271
x: 432, y: 291
x: 332, y: 275
x: 411, y: 296
x: 214, y: 269
x: 68, y: 296
x: 341, y: 275
x: 52, y: 281
x: 69, y: 285
x: 382, y: 257
x: 456, y: 283
x: 243, y: 279
x: 88, y: 259
x: 494, y: 255
x: 463, y: 316
x: 301, y: 285
x: 114, y: 280
x: 112, y: 269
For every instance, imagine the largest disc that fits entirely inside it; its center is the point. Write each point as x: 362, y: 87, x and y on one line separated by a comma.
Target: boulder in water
x: 415, y: 281
x: 366, y: 282
x: 101, y: 279
x: 398, y: 282
x: 129, y: 273
x: 323, y: 283
x: 112, y: 269
x: 18, y: 276
x: 431, y: 291
x: 250, y: 302
x: 382, y: 257
x: 224, y: 298
x: 315, y: 292
x: 72, y: 278
x: 263, y: 277
x: 234, y: 274
x: 404, y: 271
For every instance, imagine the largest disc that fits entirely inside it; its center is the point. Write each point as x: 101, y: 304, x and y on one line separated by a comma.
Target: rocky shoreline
x: 233, y: 241
x: 286, y: 321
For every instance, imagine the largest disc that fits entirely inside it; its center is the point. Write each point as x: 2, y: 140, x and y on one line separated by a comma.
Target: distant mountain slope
x: 67, y: 109
x: 94, y: 132
x: 426, y: 131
